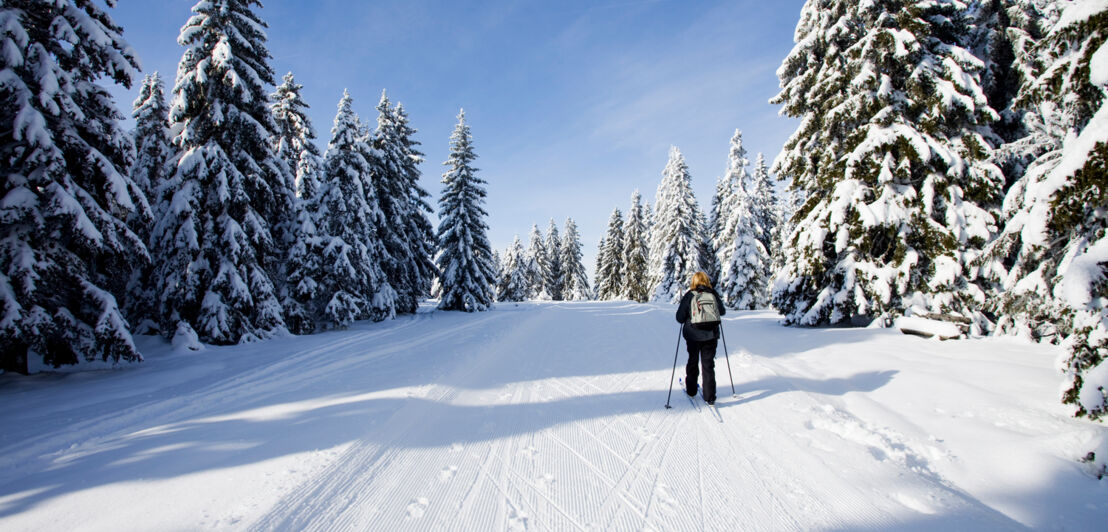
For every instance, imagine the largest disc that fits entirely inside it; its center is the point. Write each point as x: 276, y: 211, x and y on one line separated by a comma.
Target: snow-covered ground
x: 550, y: 417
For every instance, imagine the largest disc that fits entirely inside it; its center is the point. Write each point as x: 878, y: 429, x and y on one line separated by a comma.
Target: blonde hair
x: 700, y: 279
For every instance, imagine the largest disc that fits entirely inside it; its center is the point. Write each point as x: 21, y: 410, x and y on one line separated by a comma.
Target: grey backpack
x: 703, y: 311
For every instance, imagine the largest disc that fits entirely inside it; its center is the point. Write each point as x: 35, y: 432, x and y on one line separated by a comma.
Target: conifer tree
x: 609, y: 276
x: 715, y: 222
x: 497, y: 273
x: 733, y: 190
x: 153, y: 145
x: 763, y: 203
x: 554, y: 280
x: 420, y: 233
x: 304, y: 266
x: 65, y: 247
x: 577, y: 280
x: 293, y: 142
x: 635, y: 253
x: 537, y: 264
x: 406, y: 232
x: 154, y: 149
x: 351, y: 281
x: 464, y: 252
x: 220, y: 248
x: 599, y: 265
x: 513, y: 276
x: 786, y: 210
x: 1005, y: 37
x: 1052, y: 258
x: 744, y: 260
x: 677, y: 238
x: 893, y: 154
x: 294, y: 137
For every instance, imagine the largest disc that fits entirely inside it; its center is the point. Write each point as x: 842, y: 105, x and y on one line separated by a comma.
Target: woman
x: 701, y: 331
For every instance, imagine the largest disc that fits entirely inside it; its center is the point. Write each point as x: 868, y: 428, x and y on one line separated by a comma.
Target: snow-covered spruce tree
x: 599, y: 265
x: 715, y: 224
x: 786, y: 209
x: 744, y: 261
x: 763, y: 203
x: 294, y: 137
x: 892, y: 153
x: 497, y: 273
x: 464, y: 252
x: 351, y: 284
x: 220, y: 245
x: 554, y: 280
x: 294, y: 142
x: 304, y: 263
x: 153, y: 144
x: 512, y: 285
x: 731, y: 190
x: 537, y: 264
x: 706, y: 253
x: 677, y: 238
x: 635, y: 253
x: 407, y: 233
x: 1056, y: 241
x: 421, y: 233
x: 1005, y: 36
x: 154, y: 149
x: 576, y: 287
x: 609, y: 276
x: 65, y: 247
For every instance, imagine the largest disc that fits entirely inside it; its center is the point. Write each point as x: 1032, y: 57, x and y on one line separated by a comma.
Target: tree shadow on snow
x: 749, y: 392
x: 236, y: 437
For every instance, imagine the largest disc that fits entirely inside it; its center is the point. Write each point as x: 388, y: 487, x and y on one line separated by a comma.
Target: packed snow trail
x: 551, y: 417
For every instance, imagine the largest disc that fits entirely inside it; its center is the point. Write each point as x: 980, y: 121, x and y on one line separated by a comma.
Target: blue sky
x: 573, y: 104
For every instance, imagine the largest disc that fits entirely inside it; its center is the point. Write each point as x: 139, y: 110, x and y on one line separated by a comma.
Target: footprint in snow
x: 517, y: 520
x: 447, y: 473
x: 915, y: 503
x: 664, y: 497
x: 418, y: 507
x: 530, y: 451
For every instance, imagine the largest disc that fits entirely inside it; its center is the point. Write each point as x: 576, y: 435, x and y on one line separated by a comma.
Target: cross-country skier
x: 699, y: 312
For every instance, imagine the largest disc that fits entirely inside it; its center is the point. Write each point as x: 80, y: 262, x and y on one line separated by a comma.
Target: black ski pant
x: 702, y: 354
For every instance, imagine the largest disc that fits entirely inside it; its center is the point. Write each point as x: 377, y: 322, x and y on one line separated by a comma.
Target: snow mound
x: 927, y: 328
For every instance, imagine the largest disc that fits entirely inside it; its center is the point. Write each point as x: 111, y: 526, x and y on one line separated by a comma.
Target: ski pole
x: 725, y: 357
x: 674, y: 372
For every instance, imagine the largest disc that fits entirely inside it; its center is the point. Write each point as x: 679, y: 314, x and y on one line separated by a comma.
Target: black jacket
x: 692, y: 334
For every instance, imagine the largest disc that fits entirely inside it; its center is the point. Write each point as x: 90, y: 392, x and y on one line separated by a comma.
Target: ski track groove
x: 359, y: 463
x: 700, y: 478
x: 611, y: 485
x: 385, y: 476
x: 656, y: 484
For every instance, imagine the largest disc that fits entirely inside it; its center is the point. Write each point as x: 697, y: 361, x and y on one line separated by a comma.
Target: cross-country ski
x: 712, y: 408
x: 692, y: 399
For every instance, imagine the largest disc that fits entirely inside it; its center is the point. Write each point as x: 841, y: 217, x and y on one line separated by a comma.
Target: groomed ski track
x: 529, y: 417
